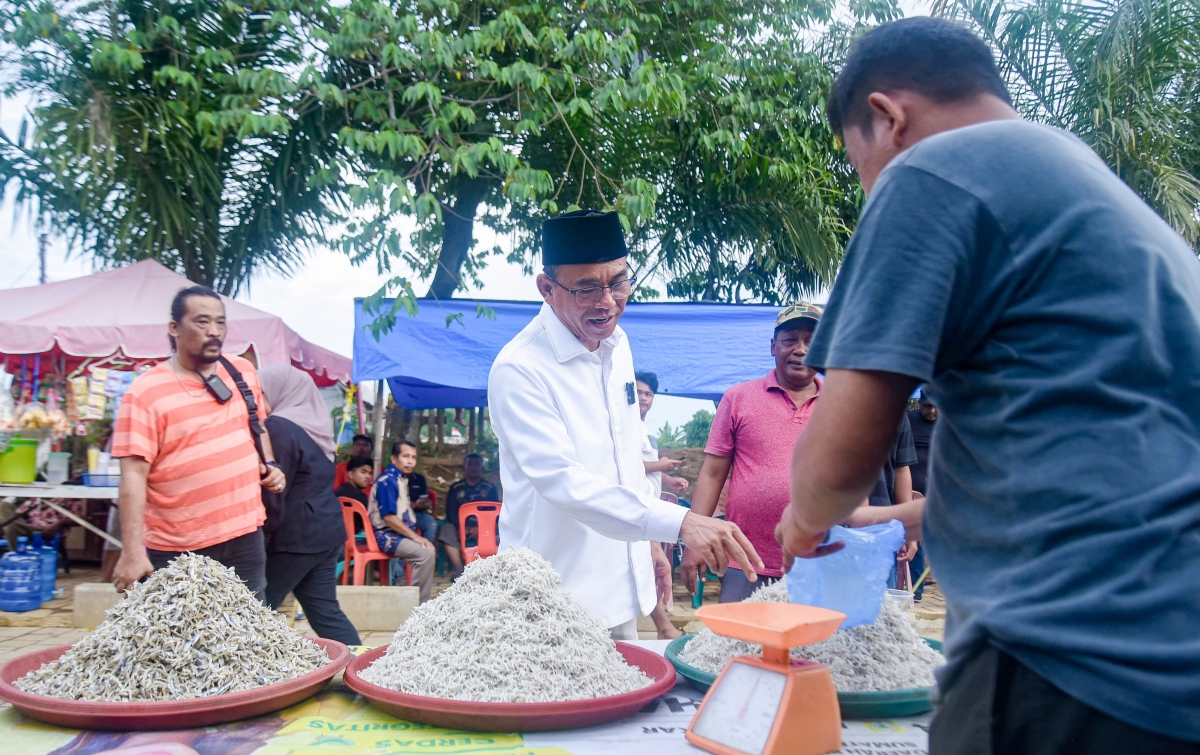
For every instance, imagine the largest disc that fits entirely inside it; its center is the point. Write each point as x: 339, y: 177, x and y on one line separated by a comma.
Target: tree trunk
x: 458, y: 233
x: 401, y: 424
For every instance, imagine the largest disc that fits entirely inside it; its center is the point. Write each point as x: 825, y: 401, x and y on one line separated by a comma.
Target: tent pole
x: 441, y: 429
x: 380, y: 399
x: 471, y: 431
x: 362, y: 413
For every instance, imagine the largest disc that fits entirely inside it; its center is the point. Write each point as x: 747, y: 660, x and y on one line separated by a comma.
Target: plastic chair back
x: 354, y: 510
x: 487, y: 541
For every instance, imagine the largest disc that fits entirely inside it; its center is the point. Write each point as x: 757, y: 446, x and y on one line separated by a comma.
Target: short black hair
x: 649, y: 378
x: 179, y: 304
x: 551, y: 271
x: 936, y: 58
x: 400, y: 444
x: 470, y: 456
x: 359, y: 437
x: 359, y: 461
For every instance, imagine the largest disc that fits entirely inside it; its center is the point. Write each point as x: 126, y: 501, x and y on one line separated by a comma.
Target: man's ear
x: 891, y: 113
x: 545, y: 287
x: 772, y: 346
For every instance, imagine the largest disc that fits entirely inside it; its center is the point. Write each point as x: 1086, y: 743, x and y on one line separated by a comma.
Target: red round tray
x: 512, y: 717
x: 163, y: 714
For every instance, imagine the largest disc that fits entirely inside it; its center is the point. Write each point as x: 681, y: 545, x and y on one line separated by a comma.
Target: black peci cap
x: 583, y: 237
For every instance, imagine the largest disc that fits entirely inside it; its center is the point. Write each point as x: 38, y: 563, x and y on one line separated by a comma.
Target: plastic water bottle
x: 49, y: 559
x: 20, y: 579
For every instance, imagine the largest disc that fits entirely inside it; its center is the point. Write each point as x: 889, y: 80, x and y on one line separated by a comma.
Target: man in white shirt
x: 657, y: 465
x: 564, y: 408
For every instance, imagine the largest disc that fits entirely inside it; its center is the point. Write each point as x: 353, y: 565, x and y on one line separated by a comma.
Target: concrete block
x: 374, y: 608
x: 92, y: 599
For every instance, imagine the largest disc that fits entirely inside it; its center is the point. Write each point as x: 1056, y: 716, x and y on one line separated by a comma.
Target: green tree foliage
x: 671, y: 437
x: 750, y: 196
x: 696, y: 429
x: 700, y: 122
x: 440, y: 96
x: 169, y: 130
x: 1123, y: 75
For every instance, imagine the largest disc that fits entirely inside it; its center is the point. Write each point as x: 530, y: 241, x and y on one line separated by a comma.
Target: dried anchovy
x: 886, y: 655
x: 190, y: 630
x: 505, y: 632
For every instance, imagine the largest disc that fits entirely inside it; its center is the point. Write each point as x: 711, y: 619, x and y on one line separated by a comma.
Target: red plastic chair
x: 487, y: 542
x: 351, y: 510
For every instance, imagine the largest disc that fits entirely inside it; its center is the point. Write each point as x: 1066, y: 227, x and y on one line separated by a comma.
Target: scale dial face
x: 741, y: 710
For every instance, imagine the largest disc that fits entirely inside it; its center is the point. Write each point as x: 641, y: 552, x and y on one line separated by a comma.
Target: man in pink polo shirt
x: 754, y: 432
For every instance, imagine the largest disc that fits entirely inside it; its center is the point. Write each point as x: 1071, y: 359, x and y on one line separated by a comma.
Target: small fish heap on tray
x: 505, y: 632
x: 190, y: 630
x: 886, y: 655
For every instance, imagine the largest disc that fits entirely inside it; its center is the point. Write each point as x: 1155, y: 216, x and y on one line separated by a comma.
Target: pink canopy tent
x: 126, y: 311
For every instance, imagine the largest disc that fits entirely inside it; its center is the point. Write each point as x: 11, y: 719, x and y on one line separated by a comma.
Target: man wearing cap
x: 564, y: 408
x: 756, y: 427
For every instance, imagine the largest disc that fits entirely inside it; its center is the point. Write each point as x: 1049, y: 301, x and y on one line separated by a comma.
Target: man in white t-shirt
x: 656, y: 465
x: 656, y: 473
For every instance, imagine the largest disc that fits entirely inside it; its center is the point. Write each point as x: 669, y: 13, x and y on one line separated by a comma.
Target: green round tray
x: 854, y: 705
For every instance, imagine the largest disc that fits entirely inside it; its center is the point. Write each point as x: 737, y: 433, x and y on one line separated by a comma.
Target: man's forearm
x: 709, y: 483
x: 903, y: 487
x: 837, y: 460
x: 909, y: 514
x: 396, y: 524
x: 662, y: 465
x: 268, y: 449
x: 131, y: 503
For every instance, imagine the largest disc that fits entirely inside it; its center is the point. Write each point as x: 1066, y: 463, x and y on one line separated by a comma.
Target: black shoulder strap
x: 256, y: 428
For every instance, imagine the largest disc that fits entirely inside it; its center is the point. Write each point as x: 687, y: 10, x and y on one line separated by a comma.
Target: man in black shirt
x: 360, y: 473
x: 895, y: 479
x: 473, y: 487
x: 921, y: 420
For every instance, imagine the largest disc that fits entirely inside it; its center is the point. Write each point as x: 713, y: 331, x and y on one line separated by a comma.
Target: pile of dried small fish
x: 505, y: 632
x: 190, y: 630
x: 886, y: 655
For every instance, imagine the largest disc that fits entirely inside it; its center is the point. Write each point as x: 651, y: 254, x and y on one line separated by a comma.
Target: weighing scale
x: 771, y: 705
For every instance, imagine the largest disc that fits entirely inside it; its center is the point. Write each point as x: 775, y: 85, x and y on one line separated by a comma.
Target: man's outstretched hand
x: 799, y: 541
x: 716, y: 543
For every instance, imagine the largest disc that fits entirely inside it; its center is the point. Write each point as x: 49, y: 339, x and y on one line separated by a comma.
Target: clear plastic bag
x: 853, y: 580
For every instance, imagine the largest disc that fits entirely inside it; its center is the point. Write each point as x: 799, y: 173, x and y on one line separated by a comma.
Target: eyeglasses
x: 593, y: 294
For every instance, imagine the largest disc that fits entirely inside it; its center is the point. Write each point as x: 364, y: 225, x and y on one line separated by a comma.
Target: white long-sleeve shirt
x: 575, y: 488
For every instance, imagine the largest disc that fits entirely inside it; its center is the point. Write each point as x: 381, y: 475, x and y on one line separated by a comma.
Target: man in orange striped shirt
x: 191, y: 477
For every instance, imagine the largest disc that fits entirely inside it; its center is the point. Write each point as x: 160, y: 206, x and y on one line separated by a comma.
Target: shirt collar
x: 566, y: 346
x: 772, y: 382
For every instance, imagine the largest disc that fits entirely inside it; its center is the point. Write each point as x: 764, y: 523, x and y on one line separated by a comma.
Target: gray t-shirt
x: 1056, y: 320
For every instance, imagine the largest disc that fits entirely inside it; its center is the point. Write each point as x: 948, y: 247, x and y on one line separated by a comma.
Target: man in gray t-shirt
x: 1055, y: 322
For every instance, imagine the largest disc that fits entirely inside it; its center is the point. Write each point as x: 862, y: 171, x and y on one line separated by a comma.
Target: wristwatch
x: 274, y: 464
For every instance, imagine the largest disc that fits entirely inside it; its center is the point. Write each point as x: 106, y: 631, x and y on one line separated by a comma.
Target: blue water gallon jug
x: 20, y: 579
x: 49, y: 559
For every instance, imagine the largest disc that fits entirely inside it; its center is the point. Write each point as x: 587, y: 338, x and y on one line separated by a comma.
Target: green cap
x: 799, y: 311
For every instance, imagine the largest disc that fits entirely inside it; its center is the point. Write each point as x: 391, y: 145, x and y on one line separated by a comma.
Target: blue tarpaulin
x: 698, y: 350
